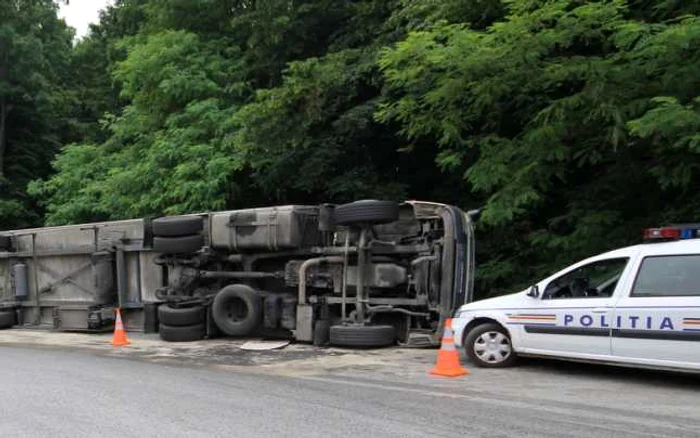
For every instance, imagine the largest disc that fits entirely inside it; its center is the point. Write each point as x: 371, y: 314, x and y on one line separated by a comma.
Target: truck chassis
x: 365, y: 274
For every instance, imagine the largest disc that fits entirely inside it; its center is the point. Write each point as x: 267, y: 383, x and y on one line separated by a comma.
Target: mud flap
x: 272, y: 312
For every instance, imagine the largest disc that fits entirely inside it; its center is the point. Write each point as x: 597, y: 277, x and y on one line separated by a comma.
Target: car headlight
x: 462, y: 314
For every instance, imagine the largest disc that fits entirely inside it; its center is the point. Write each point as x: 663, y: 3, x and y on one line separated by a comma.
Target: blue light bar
x: 689, y: 233
x: 688, y: 230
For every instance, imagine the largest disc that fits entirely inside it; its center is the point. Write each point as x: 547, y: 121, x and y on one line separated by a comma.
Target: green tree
x: 335, y: 151
x: 35, y: 48
x: 93, y: 60
x: 166, y: 152
x: 315, y: 136
x: 575, y: 122
x: 537, y: 110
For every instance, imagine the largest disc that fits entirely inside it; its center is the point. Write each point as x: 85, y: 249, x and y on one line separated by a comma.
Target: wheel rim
x: 492, y: 347
x: 236, y: 310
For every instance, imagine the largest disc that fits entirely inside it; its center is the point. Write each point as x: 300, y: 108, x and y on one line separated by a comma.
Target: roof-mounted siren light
x: 673, y: 232
x: 689, y: 233
x: 665, y: 233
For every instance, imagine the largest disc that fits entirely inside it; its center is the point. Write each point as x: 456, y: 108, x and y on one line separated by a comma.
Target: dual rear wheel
x: 178, y: 235
x: 182, y: 323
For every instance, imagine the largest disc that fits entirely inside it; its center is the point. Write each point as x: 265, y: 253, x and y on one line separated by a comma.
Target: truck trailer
x: 370, y: 273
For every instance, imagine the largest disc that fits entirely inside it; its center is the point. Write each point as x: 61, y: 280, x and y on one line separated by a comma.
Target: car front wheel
x: 489, y: 346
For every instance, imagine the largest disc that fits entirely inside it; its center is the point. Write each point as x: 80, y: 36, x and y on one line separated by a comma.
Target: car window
x: 594, y: 280
x: 668, y: 276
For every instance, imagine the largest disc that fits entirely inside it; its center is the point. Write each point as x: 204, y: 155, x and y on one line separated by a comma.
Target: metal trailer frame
x: 79, y: 272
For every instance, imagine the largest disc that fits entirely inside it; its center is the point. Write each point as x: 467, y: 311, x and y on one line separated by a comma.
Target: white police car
x: 636, y: 306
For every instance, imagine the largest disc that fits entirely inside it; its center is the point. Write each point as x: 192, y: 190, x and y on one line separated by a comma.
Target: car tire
x: 363, y: 336
x: 177, y: 226
x: 5, y: 243
x: 8, y: 318
x: 181, y: 316
x: 489, y: 346
x: 178, y: 245
x: 237, y: 309
x: 366, y: 212
x: 189, y: 333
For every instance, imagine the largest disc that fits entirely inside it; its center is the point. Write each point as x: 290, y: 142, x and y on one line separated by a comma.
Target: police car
x: 637, y: 306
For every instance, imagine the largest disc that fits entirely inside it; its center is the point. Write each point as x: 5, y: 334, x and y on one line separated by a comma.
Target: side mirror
x: 534, y: 292
x: 474, y: 215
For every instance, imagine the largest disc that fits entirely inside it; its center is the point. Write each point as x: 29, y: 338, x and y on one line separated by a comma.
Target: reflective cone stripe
x: 448, y: 347
x: 448, y: 334
x: 448, y: 342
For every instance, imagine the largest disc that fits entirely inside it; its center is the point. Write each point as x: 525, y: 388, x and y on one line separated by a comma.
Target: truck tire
x: 489, y: 346
x: 5, y: 243
x: 178, y: 245
x: 237, y: 309
x: 369, y: 336
x: 8, y: 318
x: 182, y: 334
x: 366, y: 212
x: 181, y: 316
x: 177, y: 226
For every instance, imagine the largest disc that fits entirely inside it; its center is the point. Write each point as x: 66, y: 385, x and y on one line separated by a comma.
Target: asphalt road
x: 54, y: 393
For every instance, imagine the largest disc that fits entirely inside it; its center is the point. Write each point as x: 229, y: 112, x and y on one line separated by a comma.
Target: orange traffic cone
x: 119, y: 339
x: 448, y: 359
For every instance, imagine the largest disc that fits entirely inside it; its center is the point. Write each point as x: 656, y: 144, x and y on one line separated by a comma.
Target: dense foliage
x: 575, y: 123
x: 576, y: 120
x: 35, y: 101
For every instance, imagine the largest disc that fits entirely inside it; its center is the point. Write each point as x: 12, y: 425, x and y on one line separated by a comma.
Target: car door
x: 574, y: 313
x: 658, y: 319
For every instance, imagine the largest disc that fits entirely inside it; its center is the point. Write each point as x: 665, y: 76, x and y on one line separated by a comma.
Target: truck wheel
x: 5, y: 243
x: 181, y: 316
x: 489, y: 346
x: 237, y: 309
x: 8, y: 318
x: 367, y: 212
x: 362, y: 335
x: 182, y: 334
x: 178, y: 245
x: 177, y: 226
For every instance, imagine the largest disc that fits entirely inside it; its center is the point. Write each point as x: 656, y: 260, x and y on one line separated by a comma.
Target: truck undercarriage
x: 364, y: 274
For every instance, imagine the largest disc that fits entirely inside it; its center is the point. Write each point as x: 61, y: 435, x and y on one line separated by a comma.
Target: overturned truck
x: 364, y: 274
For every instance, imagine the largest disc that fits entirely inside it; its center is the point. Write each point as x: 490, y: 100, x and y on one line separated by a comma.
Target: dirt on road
x: 223, y: 353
